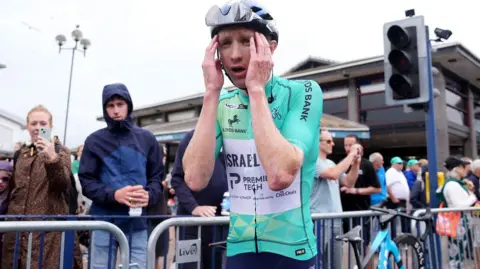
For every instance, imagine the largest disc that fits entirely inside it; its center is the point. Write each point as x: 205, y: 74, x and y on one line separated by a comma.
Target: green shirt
x: 75, y: 166
x: 263, y: 220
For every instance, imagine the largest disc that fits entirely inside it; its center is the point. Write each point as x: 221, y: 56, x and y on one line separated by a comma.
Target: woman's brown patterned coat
x: 39, y: 186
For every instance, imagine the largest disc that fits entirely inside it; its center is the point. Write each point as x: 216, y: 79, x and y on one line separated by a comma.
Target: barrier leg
x: 68, y: 249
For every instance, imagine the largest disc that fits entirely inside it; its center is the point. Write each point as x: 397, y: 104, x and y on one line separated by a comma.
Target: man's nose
x: 236, y: 55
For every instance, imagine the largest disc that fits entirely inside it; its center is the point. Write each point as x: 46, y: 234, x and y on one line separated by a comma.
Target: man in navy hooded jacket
x: 120, y: 168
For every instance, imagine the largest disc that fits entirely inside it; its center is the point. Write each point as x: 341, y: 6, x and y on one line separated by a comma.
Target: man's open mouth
x: 238, y: 69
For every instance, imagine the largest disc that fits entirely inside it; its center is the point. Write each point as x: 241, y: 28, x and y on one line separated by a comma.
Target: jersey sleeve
x: 218, y: 139
x: 302, y: 122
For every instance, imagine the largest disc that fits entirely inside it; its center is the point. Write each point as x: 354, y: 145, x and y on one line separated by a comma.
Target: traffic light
x: 405, y: 61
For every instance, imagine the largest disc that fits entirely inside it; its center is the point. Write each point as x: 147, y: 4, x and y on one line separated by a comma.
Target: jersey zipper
x: 255, y: 221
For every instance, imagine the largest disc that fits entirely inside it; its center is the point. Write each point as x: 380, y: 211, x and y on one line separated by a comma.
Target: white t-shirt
x: 457, y: 196
x: 397, y: 182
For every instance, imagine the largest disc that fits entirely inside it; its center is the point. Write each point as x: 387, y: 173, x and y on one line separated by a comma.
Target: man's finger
x: 261, y: 47
x: 259, y: 44
x: 253, y: 49
x: 136, y: 195
x: 211, y: 49
x: 264, y: 39
x: 266, y: 45
x: 210, y: 214
x: 212, y: 43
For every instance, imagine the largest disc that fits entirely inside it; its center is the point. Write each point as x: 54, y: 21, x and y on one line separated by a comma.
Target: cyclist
x: 269, y: 131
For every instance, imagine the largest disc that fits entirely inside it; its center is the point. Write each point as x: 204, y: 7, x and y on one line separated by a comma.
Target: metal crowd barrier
x: 62, y: 226
x: 436, y: 248
x: 188, y: 250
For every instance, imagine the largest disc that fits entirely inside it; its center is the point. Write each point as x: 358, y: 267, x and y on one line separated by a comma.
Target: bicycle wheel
x: 415, y: 258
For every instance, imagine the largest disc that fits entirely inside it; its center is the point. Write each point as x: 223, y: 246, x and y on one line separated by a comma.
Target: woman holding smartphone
x: 41, y: 179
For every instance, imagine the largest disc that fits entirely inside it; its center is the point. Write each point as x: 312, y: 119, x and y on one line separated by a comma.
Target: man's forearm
x: 369, y: 190
x: 280, y: 159
x: 352, y: 176
x: 198, y: 161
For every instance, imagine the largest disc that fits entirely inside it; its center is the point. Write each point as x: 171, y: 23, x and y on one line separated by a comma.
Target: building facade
x: 11, y: 128
x: 355, y: 91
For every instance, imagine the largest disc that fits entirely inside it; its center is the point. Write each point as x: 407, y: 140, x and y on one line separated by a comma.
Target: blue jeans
x: 101, y: 259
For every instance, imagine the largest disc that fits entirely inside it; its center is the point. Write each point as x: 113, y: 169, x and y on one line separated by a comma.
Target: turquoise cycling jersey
x: 263, y: 220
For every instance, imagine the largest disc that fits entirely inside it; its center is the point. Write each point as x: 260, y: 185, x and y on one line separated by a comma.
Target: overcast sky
x: 156, y: 47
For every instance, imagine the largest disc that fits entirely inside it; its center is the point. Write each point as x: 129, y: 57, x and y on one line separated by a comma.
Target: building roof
x: 452, y: 56
x: 311, y: 62
x: 11, y: 117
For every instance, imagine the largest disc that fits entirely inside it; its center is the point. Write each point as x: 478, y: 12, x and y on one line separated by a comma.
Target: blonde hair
x: 423, y: 162
x: 40, y: 108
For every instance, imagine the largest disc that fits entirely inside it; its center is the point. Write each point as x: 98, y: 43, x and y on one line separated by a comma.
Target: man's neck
x: 322, y: 155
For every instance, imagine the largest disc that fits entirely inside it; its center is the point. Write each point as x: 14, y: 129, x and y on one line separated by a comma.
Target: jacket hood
x: 6, y: 166
x: 119, y: 90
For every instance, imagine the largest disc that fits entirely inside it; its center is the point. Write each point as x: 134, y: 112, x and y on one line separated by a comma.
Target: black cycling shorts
x: 267, y: 260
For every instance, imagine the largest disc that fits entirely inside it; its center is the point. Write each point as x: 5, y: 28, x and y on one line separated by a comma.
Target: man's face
x: 416, y: 168
x: 326, y: 143
x: 462, y: 171
x: 378, y: 163
x: 117, y: 109
x: 348, y: 142
x: 80, y: 151
x: 468, y: 167
x: 234, y: 50
x: 477, y: 172
x: 398, y: 166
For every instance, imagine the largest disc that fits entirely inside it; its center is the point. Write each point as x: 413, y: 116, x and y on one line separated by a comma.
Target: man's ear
x: 273, y: 45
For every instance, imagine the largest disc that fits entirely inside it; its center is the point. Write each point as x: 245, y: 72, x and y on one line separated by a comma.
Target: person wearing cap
x: 6, y: 170
x: 397, y: 182
x: 455, y: 194
x: 412, y: 172
x: 418, y: 198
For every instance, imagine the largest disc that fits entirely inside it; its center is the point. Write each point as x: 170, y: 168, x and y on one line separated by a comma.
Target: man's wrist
x: 256, y: 90
x: 211, y: 94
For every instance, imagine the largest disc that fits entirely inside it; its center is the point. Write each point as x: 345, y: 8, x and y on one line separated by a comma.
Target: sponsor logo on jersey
x: 307, y: 99
x: 234, y: 120
x: 242, y: 160
x: 285, y: 193
x: 248, y: 183
x: 231, y: 123
x: 301, y: 251
x: 236, y: 106
x: 276, y: 114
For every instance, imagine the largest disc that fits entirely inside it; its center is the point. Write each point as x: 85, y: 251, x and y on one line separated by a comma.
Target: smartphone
x: 45, y: 133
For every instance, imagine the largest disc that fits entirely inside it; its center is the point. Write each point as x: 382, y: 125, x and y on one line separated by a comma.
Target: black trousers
x: 404, y: 222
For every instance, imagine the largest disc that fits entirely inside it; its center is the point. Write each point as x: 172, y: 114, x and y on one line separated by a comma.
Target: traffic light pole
x: 431, y: 133
x: 431, y: 139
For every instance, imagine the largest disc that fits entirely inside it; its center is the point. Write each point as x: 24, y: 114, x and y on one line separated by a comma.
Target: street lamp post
x: 84, y: 43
